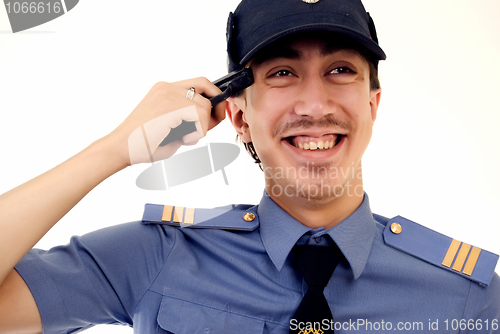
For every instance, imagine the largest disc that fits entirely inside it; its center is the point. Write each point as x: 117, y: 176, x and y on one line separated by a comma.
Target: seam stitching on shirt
x: 465, y: 304
x: 55, y: 288
x: 88, y: 253
x: 159, y: 270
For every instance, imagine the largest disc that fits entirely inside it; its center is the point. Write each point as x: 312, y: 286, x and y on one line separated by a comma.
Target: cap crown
x: 257, y: 23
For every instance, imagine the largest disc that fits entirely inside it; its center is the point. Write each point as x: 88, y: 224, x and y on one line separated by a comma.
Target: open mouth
x: 309, y: 143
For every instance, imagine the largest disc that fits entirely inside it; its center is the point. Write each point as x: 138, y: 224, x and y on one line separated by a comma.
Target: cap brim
x: 374, y: 50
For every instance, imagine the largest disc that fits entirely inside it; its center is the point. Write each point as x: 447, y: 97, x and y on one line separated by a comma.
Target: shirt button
x: 318, y: 239
x: 248, y: 217
x: 396, y: 228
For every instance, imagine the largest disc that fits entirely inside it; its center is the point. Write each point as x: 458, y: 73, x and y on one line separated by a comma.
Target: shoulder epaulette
x: 238, y: 217
x: 447, y: 253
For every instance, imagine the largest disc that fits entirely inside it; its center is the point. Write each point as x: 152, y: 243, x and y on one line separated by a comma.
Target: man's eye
x: 282, y: 73
x: 342, y: 70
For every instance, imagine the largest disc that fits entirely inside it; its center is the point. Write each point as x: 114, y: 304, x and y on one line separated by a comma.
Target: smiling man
x: 309, y: 116
x: 311, y: 257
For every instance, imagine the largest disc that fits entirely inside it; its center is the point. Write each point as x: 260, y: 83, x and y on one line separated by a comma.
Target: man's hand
x: 165, y: 106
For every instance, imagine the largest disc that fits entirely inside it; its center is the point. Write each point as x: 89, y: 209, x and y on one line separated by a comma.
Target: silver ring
x: 190, y: 93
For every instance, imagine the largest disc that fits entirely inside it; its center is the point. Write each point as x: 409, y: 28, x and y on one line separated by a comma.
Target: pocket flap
x: 184, y: 317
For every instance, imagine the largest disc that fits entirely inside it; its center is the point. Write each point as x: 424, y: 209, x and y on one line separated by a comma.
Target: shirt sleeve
x: 97, y: 278
x: 482, y: 311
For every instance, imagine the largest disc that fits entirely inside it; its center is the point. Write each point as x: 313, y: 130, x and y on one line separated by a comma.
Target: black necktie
x: 316, y: 263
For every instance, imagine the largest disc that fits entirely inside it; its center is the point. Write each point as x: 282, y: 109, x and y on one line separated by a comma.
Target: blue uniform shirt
x: 242, y: 280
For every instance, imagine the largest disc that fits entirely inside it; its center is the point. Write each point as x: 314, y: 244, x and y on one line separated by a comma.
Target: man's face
x: 307, y: 98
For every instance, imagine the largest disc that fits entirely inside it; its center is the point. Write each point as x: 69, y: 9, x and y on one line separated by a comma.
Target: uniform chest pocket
x: 183, y: 317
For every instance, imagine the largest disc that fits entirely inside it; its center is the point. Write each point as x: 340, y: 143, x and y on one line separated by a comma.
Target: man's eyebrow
x: 276, y: 53
x: 330, y: 48
x: 333, y: 47
x: 287, y: 52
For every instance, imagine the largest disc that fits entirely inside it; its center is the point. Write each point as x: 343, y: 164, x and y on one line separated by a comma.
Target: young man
x: 308, y: 118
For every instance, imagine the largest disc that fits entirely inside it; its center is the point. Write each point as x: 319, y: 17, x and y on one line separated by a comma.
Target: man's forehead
x: 299, y: 47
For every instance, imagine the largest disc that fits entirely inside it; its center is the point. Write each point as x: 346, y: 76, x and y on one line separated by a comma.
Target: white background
x: 434, y: 156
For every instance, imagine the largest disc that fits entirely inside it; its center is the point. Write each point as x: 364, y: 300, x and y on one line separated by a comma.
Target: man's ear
x: 235, y: 109
x: 374, y: 102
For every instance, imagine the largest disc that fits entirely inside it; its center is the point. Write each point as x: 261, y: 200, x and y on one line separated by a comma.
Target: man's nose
x: 314, y: 99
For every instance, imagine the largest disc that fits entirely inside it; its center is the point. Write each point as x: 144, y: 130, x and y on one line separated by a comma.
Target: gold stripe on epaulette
x: 167, y: 213
x: 178, y: 213
x: 462, y: 255
x: 450, y: 254
x: 459, y: 262
x: 189, y: 218
x: 471, y: 261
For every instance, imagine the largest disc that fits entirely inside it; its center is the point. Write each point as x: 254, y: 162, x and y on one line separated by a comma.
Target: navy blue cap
x: 257, y: 23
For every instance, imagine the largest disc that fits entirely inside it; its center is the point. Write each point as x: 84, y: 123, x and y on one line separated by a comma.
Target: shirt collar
x: 280, y: 232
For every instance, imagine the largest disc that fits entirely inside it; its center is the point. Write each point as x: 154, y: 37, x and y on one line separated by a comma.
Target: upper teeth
x: 319, y: 146
x: 312, y: 143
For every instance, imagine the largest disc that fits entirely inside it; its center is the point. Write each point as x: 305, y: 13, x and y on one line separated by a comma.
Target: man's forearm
x: 28, y: 211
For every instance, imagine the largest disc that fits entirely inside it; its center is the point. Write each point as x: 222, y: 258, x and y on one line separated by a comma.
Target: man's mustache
x: 327, y: 121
